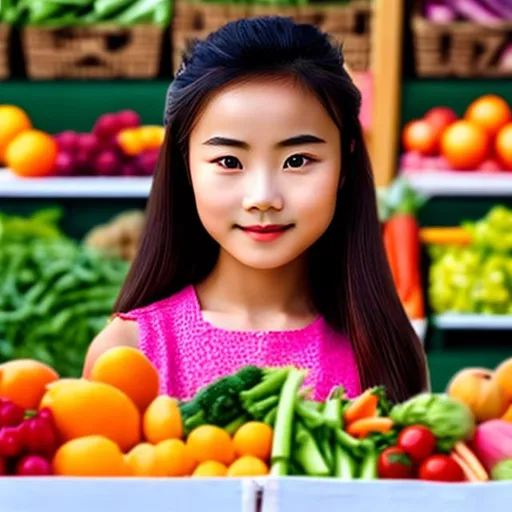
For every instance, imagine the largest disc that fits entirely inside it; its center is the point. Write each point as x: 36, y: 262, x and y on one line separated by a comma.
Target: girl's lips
x: 266, y: 233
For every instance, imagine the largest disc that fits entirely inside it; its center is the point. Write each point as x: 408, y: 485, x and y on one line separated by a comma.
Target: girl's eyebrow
x: 298, y: 140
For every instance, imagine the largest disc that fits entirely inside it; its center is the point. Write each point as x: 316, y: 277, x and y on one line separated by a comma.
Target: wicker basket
x: 459, y: 49
x: 99, y: 52
x: 4, y: 51
x: 349, y: 24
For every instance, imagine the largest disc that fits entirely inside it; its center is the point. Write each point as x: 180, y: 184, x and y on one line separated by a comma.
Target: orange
x: 24, y: 381
x: 253, y: 438
x: 209, y: 442
x: 465, y: 145
x: 503, y: 145
x: 152, y: 137
x: 128, y: 370
x: 13, y: 121
x: 490, y: 112
x: 503, y: 377
x: 248, y: 466
x: 32, y: 154
x: 93, y: 456
x: 162, y: 420
x: 82, y: 408
x: 508, y: 415
x: 144, y: 461
x: 210, y: 468
x: 130, y: 142
x: 175, y: 457
x: 419, y: 135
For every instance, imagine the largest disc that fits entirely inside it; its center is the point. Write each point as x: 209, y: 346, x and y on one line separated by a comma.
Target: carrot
x: 468, y: 473
x: 405, y: 229
x: 390, y: 246
x: 363, y: 427
x: 465, y: 453
x: 445, y: 236
x: 414, y: 306
x: 364, y: 406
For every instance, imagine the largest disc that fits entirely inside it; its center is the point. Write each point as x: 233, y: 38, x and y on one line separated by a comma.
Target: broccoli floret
x: 250, y: 376
x: 220, y: 401
x: 189, y: 409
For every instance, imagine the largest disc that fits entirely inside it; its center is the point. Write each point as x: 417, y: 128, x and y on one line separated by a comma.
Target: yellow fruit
x: 210, y: 469
x: 254, y: 438
x: 248, y: 466
x: 144, y: 461
x: 209, y: 442
x: 175, y: 457
x: 82, y: 408
x: 128, y: 370
x: 162, y: 420
x: 93, y: 456
x: 13, y: 121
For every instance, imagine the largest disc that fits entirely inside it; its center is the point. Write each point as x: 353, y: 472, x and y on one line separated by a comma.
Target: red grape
x: 11, y: 441
x: 128, y: 119
x: 147, y: 162
x: 106, y: 126
x: 130, y: 169
x: 107, y: 163
x: 65, y: 164
x: 39, y: 436
x: 67, y: 140
x: 11, y: 415
x: 88, y: 143
x: 33, y: 465
x: 83, y: 163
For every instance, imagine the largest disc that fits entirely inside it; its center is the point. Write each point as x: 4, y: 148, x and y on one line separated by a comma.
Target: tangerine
x: 24, y: 381
x: 254, y: 438
x: 248, y: 466
x: 465, y: 145
x: 13, y: 121
x: 210, y: 469
x: 32, y: 154
x: 162, y: 420
x: 503, y: 145
x: 144, y: 461
x: 209, y: 442
x: 491, y: 112
x: 175, y: 457
x: 128, y: 370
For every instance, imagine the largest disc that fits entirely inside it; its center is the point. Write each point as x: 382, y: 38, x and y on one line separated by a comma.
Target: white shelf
x: 455, y: 183
x: 456, y: 321
x: 79, y: 187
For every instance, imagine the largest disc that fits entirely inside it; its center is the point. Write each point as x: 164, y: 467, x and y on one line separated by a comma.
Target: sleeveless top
x: 190, y: 353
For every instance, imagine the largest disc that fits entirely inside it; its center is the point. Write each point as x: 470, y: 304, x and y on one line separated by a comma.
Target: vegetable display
x: 471, y: 270
x: 55, y: 294
x: 254, y: 422
x: 67, y: 13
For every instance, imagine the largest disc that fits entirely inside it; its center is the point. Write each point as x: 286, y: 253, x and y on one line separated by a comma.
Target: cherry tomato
x: 11, y: 441
x: 39, y: 436
x: 418, y: 441
x: 33, y: 465
x: 441, y: 468
x: 395, y: 463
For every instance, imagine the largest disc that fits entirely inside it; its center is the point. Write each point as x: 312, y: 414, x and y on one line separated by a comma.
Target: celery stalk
x: 332, y: 413
x: 271, y: 385
x: 312, y: 418
x: 345, y: 466
x: 307, y: 453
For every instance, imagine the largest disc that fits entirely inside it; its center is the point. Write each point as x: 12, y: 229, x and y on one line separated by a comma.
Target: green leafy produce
x: 448, y: 419
x: 55, y: 294
x: 502, y: 470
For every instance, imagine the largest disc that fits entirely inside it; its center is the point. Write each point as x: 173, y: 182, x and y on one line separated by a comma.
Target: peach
x: 503, y: 376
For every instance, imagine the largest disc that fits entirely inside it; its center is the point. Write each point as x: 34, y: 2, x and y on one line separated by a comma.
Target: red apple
x: 440, y: 118
x: 420, y: 136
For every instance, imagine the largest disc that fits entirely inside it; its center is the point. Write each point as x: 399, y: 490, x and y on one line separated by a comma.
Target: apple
x: 440, y: 118
x: 419, y: 136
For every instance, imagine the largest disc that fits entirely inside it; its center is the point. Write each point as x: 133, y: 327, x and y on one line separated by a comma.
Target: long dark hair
x: 350, y: 278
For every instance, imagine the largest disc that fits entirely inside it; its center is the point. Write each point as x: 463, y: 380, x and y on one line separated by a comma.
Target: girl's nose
x: 262, y: 193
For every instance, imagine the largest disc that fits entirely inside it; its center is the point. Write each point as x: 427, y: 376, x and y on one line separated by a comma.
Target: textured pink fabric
x: 189, y: 352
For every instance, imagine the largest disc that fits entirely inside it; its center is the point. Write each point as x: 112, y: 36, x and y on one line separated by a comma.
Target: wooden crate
x: 349, y: 24
x: 4, y: 51
x: 100, y: 52
x: 459, y: 49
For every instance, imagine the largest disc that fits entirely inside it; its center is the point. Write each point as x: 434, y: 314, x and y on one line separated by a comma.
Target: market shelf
x: 456, y: 321
x: 454, y: 183
x: 79, y: 187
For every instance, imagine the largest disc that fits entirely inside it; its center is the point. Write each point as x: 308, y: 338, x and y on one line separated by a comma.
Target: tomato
x: 420, y: 136
x: 418, y: 442
x: 395, y: 463
x: 441, y: 468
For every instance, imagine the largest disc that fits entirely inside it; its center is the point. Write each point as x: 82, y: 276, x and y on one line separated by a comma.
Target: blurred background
x: 82, y: 92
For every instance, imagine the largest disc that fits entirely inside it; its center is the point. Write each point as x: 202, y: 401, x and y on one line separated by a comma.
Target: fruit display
x: 480, y: 140
x: 471, y: 270
x: 254, y: 422
x: 55, y: 294
x: 66, y: 13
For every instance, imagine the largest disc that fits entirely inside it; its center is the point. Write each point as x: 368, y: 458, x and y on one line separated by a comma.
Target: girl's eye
x: 297, y: 161
x: 229, y: 162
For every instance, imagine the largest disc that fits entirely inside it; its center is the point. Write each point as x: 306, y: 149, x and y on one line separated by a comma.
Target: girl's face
x: 265, y: 164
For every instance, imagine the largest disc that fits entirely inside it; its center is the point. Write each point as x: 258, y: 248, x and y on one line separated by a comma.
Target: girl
x: 262, y: 242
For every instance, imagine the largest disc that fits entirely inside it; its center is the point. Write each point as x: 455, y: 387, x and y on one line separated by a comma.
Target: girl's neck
x: 233, y: 289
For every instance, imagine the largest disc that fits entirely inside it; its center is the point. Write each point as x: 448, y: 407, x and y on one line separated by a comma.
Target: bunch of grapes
x: 27, y: 441
x: 98, y: 153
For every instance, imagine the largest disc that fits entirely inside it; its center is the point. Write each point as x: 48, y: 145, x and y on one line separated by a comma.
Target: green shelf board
x: 55, y: 106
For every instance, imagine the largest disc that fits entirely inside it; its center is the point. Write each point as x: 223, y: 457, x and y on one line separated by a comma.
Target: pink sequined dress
x: 189, y: 352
